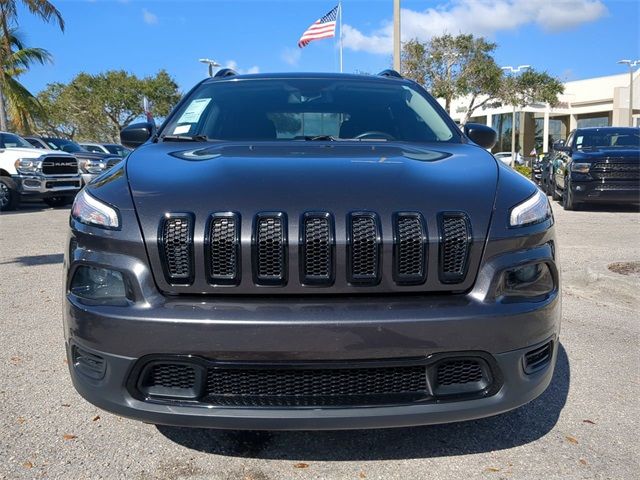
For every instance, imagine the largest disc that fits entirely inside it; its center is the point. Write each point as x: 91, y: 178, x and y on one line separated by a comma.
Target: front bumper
x: 43, y: 186
x: 618, y: 192
x: 291, y: 330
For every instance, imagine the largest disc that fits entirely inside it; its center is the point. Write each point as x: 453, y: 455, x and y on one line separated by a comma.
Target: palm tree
x: 8, y: 22
x: 19, y: 103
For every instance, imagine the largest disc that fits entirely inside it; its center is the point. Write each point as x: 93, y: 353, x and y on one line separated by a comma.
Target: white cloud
x: 148, y: 17
x: 232, y: 64
x: 291, y: 55
x: 480, y: 17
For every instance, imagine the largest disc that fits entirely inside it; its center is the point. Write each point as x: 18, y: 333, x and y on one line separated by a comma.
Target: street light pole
x: 211, y: 64
x: 632, y: 65
x: 513, y: 71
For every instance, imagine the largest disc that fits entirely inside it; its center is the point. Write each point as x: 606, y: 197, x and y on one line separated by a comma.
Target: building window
x: 593, y: 122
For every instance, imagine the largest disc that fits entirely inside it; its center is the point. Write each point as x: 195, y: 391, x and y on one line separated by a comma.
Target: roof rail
x: 390, y: 73
x: 225, y: 72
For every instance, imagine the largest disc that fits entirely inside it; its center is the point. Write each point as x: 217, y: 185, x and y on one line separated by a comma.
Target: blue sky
x: 571, y: 39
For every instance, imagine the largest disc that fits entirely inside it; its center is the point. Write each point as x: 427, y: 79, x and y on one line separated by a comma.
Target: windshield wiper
x: 184, y: 138
x: 331, y: 138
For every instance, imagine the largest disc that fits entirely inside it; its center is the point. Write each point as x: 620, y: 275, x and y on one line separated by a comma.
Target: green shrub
x: 526, y: 171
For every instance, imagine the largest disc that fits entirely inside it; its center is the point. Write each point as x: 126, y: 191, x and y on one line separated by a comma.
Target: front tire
x: 9, y: 195
x: 554, y: 191
x: 56, y: 202
x: 568, y: 203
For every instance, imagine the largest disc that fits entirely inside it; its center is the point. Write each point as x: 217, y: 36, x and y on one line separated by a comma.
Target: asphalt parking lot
x: 584, y: 426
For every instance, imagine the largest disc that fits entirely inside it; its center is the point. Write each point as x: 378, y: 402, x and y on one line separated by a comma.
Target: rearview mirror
x: 481, y: 135
x: 134, y: 135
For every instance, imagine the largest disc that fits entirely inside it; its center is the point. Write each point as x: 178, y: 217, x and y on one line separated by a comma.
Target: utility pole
x: 632, y: 65
x: 396, y: 36
x: 514, y: 71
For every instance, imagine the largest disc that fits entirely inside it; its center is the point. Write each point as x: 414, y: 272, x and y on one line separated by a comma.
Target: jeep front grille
x: 363, y: 249
x: 270, y: 249
x: 455, y: 240
x: 176, y: 248
x: 362, y: 258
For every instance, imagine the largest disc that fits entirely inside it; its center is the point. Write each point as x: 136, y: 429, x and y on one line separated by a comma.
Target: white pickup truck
x: 27, y: 172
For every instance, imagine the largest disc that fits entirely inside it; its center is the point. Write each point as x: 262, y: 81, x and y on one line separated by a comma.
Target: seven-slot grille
x: 410, y: 249
x: 224, y: 249
x: 270, y: 249
x: 176, y: 248
x: 316, y: 248
x: 363, y: 249
x: 59, y: 166
x: 455, y: 241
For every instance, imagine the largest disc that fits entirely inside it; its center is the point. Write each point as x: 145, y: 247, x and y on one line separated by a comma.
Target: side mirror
x: 560, y: 146
x: 134, y: 135
x: 481, y: 135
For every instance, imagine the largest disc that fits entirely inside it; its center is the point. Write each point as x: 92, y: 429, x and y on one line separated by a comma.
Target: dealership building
x: 593, y: 102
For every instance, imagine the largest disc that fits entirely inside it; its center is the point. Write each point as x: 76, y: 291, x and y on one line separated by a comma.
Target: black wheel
x: 568, y: 203
x: 56, y: 202
x: 9, y: 196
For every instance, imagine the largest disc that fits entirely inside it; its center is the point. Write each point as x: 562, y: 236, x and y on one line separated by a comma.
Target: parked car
x: 109, y: 148
x: 309, y: 251
x: 538, y: 167
x: 505, y: 157
x: 91, y: 164
x: 597, y: 165
x: 39, y: 174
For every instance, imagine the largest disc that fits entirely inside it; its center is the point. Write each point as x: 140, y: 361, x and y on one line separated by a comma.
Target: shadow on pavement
x: 32, y: 260
x: 521, y: 426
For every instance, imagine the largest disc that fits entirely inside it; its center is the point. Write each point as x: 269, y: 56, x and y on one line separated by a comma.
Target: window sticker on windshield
x: 181, y: 129
x: 194, y: 111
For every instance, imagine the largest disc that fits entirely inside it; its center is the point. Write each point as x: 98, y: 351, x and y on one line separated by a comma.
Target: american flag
x: 325, y: 27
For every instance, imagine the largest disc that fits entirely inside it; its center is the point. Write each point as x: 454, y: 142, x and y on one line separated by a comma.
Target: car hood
x: 295, y: 178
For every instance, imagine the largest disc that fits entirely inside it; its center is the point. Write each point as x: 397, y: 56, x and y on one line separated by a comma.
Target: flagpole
x: 340, y: 11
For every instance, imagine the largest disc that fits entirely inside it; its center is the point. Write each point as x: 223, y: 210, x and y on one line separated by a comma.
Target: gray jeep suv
x: 310, y: 251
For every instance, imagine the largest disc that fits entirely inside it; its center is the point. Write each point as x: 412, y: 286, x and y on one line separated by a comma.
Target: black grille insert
x: 223, y: 249
x: 59, y: 166
x: 410, y: 249
x: 456, y: 376
x: 616, y: 171
x: 364, y: 249
x: 317, y: 247
x: 315, y: 387
x: 176, y: 248
x: 270, y: 249
x: 455, y: 242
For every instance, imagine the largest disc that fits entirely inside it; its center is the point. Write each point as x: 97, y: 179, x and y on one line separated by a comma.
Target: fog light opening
x: 89, y: 364
x: 537, y: 359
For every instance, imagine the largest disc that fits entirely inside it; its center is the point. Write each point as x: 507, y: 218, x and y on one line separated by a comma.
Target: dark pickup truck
x: 597, y: 165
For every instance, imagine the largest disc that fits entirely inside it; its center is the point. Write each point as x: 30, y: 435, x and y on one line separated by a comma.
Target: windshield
x: 9, y: 140
x: 64, y: 145
x: 117, y: 150
x: 303, y: 109
x: 609, y: 138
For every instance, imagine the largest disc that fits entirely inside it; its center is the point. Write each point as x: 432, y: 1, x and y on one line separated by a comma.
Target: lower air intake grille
x: 270, y: 249
x: 459, y: 371
x: 364, y: 247
x: 455, y: 241
x: 410, y: 242
x: 224, y: 249
x: 176, y: 248
x: 317, y: 245
x: 173, y: 376
x: 315, y: 387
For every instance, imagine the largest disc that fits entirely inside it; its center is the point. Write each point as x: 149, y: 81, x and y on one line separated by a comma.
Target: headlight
x: 27, y: 165
x: 580, y: 167
x: 86, y: 209
x: 532, y: 280
x: 92, y: 166
x: 535, y: 209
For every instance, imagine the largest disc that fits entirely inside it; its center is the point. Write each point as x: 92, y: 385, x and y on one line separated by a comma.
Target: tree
x: 17, y: 101
x: 8, y: 23
x: 463, y: 66
x: 97, y: 107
